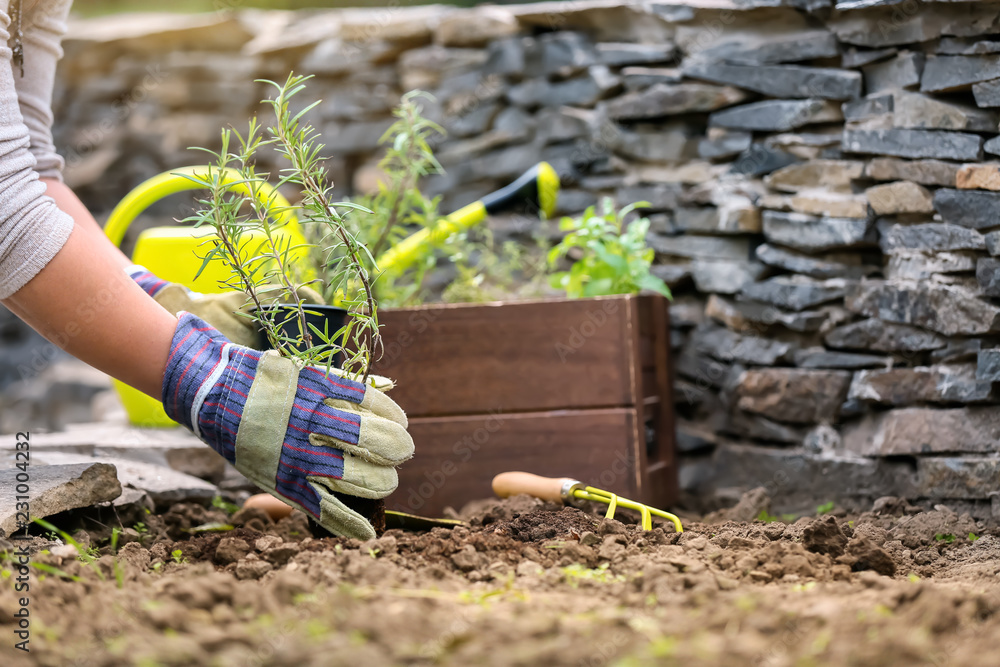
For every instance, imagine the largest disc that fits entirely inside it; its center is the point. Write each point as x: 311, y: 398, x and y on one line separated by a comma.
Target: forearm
x: 83, y: 302
x: 69, y: 203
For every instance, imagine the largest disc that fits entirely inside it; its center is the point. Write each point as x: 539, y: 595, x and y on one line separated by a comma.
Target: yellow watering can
x: 172, y: 253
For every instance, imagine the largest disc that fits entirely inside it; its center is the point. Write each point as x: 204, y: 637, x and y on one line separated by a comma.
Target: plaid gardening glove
x: 222, y: 311
x: 293, y: 431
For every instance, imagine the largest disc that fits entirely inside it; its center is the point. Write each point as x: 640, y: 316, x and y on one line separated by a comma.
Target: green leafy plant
x: 825, y: 508
x: 220, y: 503
x: 178, y: 556
x: 267, y: 270
x: 610, y: 257
x: 947, y: 538
x: 973, y: 537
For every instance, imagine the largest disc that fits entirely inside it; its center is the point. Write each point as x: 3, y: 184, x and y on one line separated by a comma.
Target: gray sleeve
x: 32, y: 228
x: 42, y: 28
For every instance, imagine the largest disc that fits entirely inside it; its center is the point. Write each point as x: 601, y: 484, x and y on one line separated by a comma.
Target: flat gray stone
x: 914, y: 143
x: 875, y: 106
x: 756, y: 427
x: 903, y: 71
x: 818, y: 357
x: 957, y: 350
x: 701, y: 247
x: 988, y: 276
x: 900, y: 387
x: 966, y: 46
x: 766, y: 49
x: 760, y: 159
x: 620, y: 54
x: 814, y: 267
x: 947, y: 73
x: 584, y: 91
x: 814, y: 234
x: 56, y: 488
x: 738, y: 217
x: 731, y: 347
x: 561, y: 52
x: 794, y: 292
x: 740, y: 315
x: 904, y: 265
x: 969, y: 208
x: 946, y: 309
x: 993, y: 243
x: 777, y: 115
x: 164, y: 486
x: 661, y: 197
x: 724, y: 276
x: 793, y: 395
x: 790, y: 81
x: 883, y: 26
x: 724, y: 145
x: 837, y: 175
x: 637, y: 78
x: 931, y: 237
x: 877, y: 335
x: 987, y: 93
x: 992, y: 146
x: 664, y: 99
x: 669, y: 145
x: 918, y: 111
x: 988, y: 365
x: 925, y: 172
x: 916, y: 431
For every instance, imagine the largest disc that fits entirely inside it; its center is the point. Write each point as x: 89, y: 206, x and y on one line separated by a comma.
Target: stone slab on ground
x: 175, y: 448
x: 57, y: 488
x: 164, y: 486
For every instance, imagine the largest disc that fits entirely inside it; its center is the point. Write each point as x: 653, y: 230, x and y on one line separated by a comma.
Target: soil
x: 524, y: 583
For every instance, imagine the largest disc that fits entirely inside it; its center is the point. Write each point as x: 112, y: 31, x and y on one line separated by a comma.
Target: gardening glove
x: 222, y: 311
x: 302, y: 436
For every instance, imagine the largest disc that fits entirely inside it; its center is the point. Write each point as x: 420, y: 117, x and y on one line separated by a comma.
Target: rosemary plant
x: 247, y: 218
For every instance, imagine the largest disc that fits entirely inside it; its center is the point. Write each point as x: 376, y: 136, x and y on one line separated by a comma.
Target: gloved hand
x: 293, y: 431
x: 222, y: 311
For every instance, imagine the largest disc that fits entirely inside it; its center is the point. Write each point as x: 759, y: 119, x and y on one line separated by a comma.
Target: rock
x: 899, y: 197
x: 620, y: 54
x: 813, y: 234
x: 930, y: 237
x: 701, y: 247
x: 426, y: 67
x: 793, y: 395
x: 556, y: 125
x: 948, y: 73
x: 835, y: 175
x: 777, y: 115
x: 731, y: 347
x: 56, y: 488
x: 664, y: 99
x: 468, y: 559
x: 689, y: 173
x: 913, y: 110
x: 231, y: 550
x: 993, y: 243
x: 923, y: 384
x: 946, y: 309
x: 668, y: 145
x: 637, y: 78
x: 863, y: 28
x: 672, y: 275
x: 853, y: 57
x: 914, y: 143
x: 794, y: 292
x: 955, y: 351
x: 969, y: 208
x: 988, y: 276
x: 760, y: 159
x: 909, y: 431
x: 863, y: 554
x: 926, y: 172
x: 164, y: 486
x: 988, y: 365
x: 818, y: 357
x: 905, y: 265
x: 737, y: 216
x: 903, y: 71
x: 987, y: 93
x: 950, y: 477
x: 722, y: 144
x: 992, y: 146
x: 790, y: 81
x: 744, y: 315
x: 475, y: 28
x: 746, y: 425
x: 251, y: 568
x: 821, y: 202
x: 808, y: 145
x: 811, y: 266
x: 874, y: 334
x: 749, y: 507
x: 561, y: 53
x: 724, y: 276
x: 823, y: 536
x: 978, y: 177
x: 766, y: 48
x: 583, y: 91
x: 661, y: 197
x: 876, y: 108
x: 506, y: 56
x: 968, y: 46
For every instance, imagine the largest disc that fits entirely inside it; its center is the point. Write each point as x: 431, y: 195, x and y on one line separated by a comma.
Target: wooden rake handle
x: 553, y: 489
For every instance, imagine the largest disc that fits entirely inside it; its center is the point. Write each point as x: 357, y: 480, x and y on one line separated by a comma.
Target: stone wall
x: 821, y: 178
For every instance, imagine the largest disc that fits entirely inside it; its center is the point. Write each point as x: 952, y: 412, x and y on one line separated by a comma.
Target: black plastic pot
x: 328, y: 319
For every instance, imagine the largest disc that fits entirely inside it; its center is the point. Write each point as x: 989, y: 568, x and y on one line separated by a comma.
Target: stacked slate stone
x: 822, y: 180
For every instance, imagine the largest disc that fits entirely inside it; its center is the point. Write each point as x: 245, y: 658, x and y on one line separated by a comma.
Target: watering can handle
x: 171, y: 182
x: 553, y: 489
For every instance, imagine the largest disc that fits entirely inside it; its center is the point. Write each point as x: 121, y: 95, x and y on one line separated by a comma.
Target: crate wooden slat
x: 578, y: 385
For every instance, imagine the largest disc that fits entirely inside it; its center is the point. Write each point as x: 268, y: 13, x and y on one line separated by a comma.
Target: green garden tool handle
x: 538, y: 188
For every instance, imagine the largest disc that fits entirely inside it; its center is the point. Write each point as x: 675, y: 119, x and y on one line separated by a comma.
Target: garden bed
x: 526, y: 584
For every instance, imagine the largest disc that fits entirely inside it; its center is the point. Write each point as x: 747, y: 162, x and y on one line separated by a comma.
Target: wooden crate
x: 566, y: 388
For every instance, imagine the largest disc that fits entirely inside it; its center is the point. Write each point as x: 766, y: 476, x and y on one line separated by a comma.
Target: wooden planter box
x: 563, y: 388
